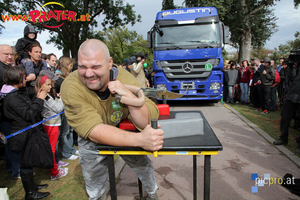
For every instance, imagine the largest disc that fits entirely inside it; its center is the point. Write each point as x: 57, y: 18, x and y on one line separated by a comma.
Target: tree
x: 71, y: 34
x: 168, y: 4
x: 285, y: 49
x: 123, y: 43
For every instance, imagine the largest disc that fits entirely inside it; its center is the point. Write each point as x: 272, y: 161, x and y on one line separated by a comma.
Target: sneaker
x: 259, y: 109
x: 152, y: 196
x: 77, y: 152
x: 237, y: 102
x: 280, y: 142
x: 73, y: 157
x: 265, y: 111
x: 61, y: 173
x: 62, y: 164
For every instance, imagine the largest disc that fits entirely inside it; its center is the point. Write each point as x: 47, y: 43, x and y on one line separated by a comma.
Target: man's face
x: 6, y: 55
x: 284, y: 66
x: 267, y: 64
x: 52, y: 61
x: 35, y: 54
x: 281, y: 61
x: 94, y: 70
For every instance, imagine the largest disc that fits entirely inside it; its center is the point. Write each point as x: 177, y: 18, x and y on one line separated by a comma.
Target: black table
x: 207, y: 144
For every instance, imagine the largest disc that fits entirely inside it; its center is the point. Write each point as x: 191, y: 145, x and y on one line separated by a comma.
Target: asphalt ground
x: 246, y: 150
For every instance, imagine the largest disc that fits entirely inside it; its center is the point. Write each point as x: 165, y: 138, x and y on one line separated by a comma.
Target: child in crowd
x: 17, y: 107
x: 67, y: 150
x: 22, y: 48
x: 52, y: 106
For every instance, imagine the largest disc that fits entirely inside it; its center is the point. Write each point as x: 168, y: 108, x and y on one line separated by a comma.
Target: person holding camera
x: 291, y: 103
x: 137, y: 69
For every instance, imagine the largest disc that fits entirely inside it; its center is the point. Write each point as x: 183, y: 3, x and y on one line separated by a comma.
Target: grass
x: 71, y: 186
x: 267, y: 122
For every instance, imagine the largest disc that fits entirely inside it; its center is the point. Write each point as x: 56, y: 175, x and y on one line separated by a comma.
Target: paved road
x: 245, y: 151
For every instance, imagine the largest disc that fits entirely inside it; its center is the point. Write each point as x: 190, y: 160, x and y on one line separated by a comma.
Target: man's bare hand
x: 30, y: 77
x: 127, y: 92
x: 151, y: 139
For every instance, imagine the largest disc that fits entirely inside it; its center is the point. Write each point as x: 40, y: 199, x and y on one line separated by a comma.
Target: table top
x: 206, y: 142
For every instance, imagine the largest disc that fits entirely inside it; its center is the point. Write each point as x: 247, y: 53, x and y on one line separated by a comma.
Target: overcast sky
x: 288, y: 23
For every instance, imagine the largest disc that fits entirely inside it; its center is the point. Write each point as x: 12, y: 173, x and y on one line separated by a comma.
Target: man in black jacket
x: 267, y: 75
x: 6, y: 59
x: 291, y: 103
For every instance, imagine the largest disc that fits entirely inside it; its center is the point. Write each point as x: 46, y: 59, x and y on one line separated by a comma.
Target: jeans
x: 273, y: 98
x: 12, y: 158
x: 66, y: 139
x: 95, y: 171
x: 245, y: 91
x: 231, y: 91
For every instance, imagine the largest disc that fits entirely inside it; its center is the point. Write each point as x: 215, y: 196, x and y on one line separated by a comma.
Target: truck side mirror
x: 149, y: 38
x: 226, y: 35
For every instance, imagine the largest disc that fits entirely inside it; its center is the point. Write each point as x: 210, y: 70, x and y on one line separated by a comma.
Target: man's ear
x: 110, y: 62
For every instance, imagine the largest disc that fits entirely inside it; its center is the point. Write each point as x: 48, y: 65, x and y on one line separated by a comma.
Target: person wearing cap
x: 22, y: 45
x: 267, y: 75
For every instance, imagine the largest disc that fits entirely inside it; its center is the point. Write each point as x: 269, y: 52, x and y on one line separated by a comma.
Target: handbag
x: 37, y: 151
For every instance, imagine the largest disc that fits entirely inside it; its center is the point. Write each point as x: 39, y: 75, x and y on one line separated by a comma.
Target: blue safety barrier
x: 32, y: 126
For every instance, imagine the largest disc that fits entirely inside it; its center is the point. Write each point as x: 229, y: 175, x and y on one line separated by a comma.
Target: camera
x: 133, y: 59
x: 294, y: 64
x: 130, y: 60
x: 294, y: 56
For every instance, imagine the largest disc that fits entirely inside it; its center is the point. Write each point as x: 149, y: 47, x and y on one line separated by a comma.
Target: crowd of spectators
x: 30, y: 85
x: 259, y: 84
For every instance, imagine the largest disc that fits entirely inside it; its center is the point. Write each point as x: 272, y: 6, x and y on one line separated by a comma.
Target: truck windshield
x: 188, y: 36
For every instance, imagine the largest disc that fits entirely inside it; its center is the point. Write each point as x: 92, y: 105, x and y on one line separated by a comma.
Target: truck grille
x: 187, y: 69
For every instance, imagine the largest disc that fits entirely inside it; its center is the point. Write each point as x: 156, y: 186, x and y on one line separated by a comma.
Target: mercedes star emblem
x: 187, y: 67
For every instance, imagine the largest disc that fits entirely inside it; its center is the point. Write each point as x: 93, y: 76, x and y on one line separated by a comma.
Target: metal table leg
x: 140, y: 188
x: 111, y: 175
x: 207, y: 166
x: 195, y: 176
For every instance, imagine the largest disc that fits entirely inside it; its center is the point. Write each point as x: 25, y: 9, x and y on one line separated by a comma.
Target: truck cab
x: 187, y: 47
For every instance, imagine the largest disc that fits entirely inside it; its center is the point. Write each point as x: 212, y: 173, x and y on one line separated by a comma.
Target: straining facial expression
x: 94, y: 64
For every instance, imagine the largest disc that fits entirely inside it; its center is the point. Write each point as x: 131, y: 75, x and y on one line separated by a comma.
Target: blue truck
x: 187, y: 46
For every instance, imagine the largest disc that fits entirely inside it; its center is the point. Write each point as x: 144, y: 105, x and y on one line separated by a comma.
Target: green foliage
x: 71, y: 34
x: 259, y: 53
x: 285, y: 49
x: 168, y: 4
x: 123, y: 43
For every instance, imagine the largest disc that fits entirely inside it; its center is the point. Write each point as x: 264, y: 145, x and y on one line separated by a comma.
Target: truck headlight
x: 215, y: 86
x: 161, y: 86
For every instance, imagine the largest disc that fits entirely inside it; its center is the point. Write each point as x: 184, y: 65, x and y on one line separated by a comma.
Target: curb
x: 281, y: 148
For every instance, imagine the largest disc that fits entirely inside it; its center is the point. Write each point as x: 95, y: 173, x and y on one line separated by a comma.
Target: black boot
x: 38, y: 187
x: 30, y: 187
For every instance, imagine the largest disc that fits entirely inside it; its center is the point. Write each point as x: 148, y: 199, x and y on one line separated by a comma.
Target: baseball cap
x: 50, y: 74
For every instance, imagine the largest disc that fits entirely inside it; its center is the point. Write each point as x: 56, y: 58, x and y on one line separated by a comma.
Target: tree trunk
x: 245, y: 46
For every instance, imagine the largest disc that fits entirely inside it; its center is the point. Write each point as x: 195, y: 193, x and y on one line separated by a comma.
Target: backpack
x: 277, y: 77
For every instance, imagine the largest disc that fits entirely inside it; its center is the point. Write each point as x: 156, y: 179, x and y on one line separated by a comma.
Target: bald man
x: 6, y: 59
x: 89, y: 96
